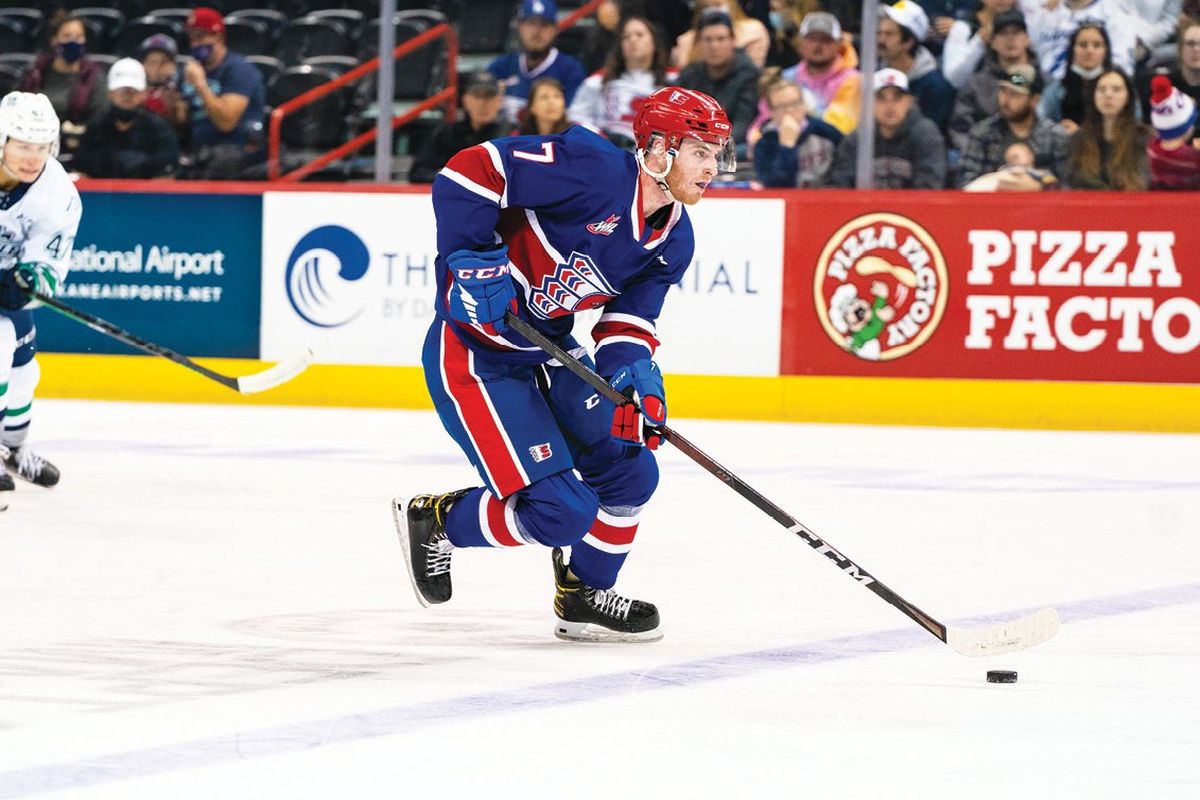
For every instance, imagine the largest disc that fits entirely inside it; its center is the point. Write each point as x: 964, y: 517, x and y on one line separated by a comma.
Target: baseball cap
x: 127, y: 73
x: 821, y: 22
x: 908, y: 14
x: 538, y: 9
x: 482, y: 82
x: 893, y: 78
x: 158, y: 43
x: 1009, y: 19
x: 714, y: 16
x: 1023, y: 78
x: 206, y: 19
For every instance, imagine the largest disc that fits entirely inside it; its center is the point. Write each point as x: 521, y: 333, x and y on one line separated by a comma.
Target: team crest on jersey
x: 574, y: 286
x: 541, y: 452
x: 880, y: 287
x: 604, y: 228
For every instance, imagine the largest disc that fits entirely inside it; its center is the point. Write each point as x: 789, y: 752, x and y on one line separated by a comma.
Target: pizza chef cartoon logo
x: 880, y: 286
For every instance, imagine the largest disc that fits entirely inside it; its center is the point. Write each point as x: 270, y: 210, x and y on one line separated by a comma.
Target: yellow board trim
x: 872, y: 401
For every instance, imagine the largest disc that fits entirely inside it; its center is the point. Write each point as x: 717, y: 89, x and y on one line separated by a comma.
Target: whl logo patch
x: 880, y: 287
x: 604, y: 228
x: 574, y: 286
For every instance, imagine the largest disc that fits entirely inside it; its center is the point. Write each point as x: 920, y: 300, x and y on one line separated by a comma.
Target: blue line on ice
x: 402, y: 719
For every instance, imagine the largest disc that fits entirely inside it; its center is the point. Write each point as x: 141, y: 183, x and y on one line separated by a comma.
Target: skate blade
x: 400, y: 515
x: 587, y: 632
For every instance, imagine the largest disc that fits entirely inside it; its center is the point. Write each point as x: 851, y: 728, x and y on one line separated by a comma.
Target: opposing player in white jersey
x: 39, y: 217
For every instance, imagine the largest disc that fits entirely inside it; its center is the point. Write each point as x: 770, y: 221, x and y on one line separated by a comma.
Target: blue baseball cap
x: 539, y: 9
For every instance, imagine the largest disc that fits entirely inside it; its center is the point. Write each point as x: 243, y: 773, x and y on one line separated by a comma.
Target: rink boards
x: 1061, y: 311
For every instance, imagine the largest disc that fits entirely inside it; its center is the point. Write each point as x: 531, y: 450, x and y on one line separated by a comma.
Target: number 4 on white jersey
x: 544, y: 157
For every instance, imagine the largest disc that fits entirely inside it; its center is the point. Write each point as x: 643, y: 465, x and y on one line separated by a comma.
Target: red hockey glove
x: 638, y: 421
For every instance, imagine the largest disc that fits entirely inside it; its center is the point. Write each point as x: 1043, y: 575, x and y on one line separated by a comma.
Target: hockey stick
x: 269, y: 378
x: 992, y: 640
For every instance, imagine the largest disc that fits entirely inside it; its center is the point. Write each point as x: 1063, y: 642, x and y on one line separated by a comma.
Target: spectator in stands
x: 602, y: 37
x: 1185, y: 76
x: 158, y: 54
x: 785, y: 19
x: 1008, y: 47
x: 796, y: 149
x: 1174, y: 158
x: 1088, y: 56
x: 901, y: 29
x: 1017, y: 121
x: 723, y: 72
x: 1018, y: 166
x: 608, y: 101
x: 537, y: 28
x: 750, y: 35
x: 481, y: 102
x: 1109, y: 151
x: 969, y: 41
x: 909, y: 150
x: 226, y: 96
x: 126, y: 140
x: 546, y: 112
x: 826, y: 74
x: 1053, y: 22
x: 72, y: 81
x: 1155, y: 23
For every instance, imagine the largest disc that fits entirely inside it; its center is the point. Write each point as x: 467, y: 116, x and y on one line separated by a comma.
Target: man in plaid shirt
x: 1019, y: 93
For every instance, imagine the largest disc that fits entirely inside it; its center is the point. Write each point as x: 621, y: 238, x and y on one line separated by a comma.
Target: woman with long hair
x: 749, y: 34
x: 1109, y: 151
x: 546, y: 112
x: 637, y: 66
x: 1089, y: 54
x: 71, y: 80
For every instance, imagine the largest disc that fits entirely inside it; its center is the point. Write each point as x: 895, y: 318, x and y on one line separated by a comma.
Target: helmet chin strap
x: 659, y: 177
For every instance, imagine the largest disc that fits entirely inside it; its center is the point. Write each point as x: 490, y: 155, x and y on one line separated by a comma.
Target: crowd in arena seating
x: 982, y: 95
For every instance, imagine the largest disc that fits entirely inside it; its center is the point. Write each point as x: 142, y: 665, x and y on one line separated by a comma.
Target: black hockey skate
x: 29, y: 466
x: 599, y: 615
x: 421, y: 523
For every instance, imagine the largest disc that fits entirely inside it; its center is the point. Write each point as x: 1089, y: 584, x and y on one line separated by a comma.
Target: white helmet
x: 28, y: 117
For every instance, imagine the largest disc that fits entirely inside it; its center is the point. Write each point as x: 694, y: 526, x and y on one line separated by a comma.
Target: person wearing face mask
x: 163, y: 96
x: 126, y: 140
x: 226, y: 96
x: 69, y: 78
x: 1088, y: 55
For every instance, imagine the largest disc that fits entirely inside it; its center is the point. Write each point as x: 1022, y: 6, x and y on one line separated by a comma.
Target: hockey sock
x: 478, y: 519
x: 600, y: 555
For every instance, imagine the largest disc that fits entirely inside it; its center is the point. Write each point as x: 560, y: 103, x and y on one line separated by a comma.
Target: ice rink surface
x: 213, y: 604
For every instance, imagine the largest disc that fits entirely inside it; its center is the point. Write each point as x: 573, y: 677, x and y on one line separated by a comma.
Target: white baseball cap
x: 128, y: 73
x: 908, y: 14
x: 891, y: 77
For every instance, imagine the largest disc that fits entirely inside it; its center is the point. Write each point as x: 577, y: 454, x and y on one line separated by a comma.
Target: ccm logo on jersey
x: 541, y: 452
x: 604, y: 228
x: 481, y: 273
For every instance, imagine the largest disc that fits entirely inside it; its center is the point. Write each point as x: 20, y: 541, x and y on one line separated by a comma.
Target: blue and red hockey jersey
x: 569, y: 207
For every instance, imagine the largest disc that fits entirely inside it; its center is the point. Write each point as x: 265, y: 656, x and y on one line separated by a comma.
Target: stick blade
x: 274, y: 376
x: 1004, y: 637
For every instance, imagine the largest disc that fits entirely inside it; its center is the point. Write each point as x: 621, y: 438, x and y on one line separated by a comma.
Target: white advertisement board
x: 352, y: 277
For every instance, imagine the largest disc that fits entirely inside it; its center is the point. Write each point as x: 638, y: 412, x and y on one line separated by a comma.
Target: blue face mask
x: 70, y: 52
x: 201, y: 52
x: 776, y: 20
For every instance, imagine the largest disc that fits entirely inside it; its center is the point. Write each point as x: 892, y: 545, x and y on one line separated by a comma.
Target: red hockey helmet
x: 675, y: 114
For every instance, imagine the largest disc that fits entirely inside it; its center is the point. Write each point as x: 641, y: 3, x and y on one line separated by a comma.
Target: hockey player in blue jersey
x: 547, y: 226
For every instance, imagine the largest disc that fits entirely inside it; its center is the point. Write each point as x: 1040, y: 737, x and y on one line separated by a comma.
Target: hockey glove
x: 638, y: 420
x: 18, y: 285
x: 482, y: 290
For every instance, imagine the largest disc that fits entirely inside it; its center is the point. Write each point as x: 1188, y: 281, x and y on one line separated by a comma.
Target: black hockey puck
x: 1001, y: 676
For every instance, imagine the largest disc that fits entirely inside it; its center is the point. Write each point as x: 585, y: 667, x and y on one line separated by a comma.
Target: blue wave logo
x: 321, y: 273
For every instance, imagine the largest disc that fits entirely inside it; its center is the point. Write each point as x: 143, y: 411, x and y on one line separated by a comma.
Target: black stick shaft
x: 747, y: 491
x: 121, y: 335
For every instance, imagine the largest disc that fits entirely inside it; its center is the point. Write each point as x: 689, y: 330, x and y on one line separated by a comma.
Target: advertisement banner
x: 177, y: 270
x: 352, y: 277
x: 349, y: 275
x: 1100, y: 288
